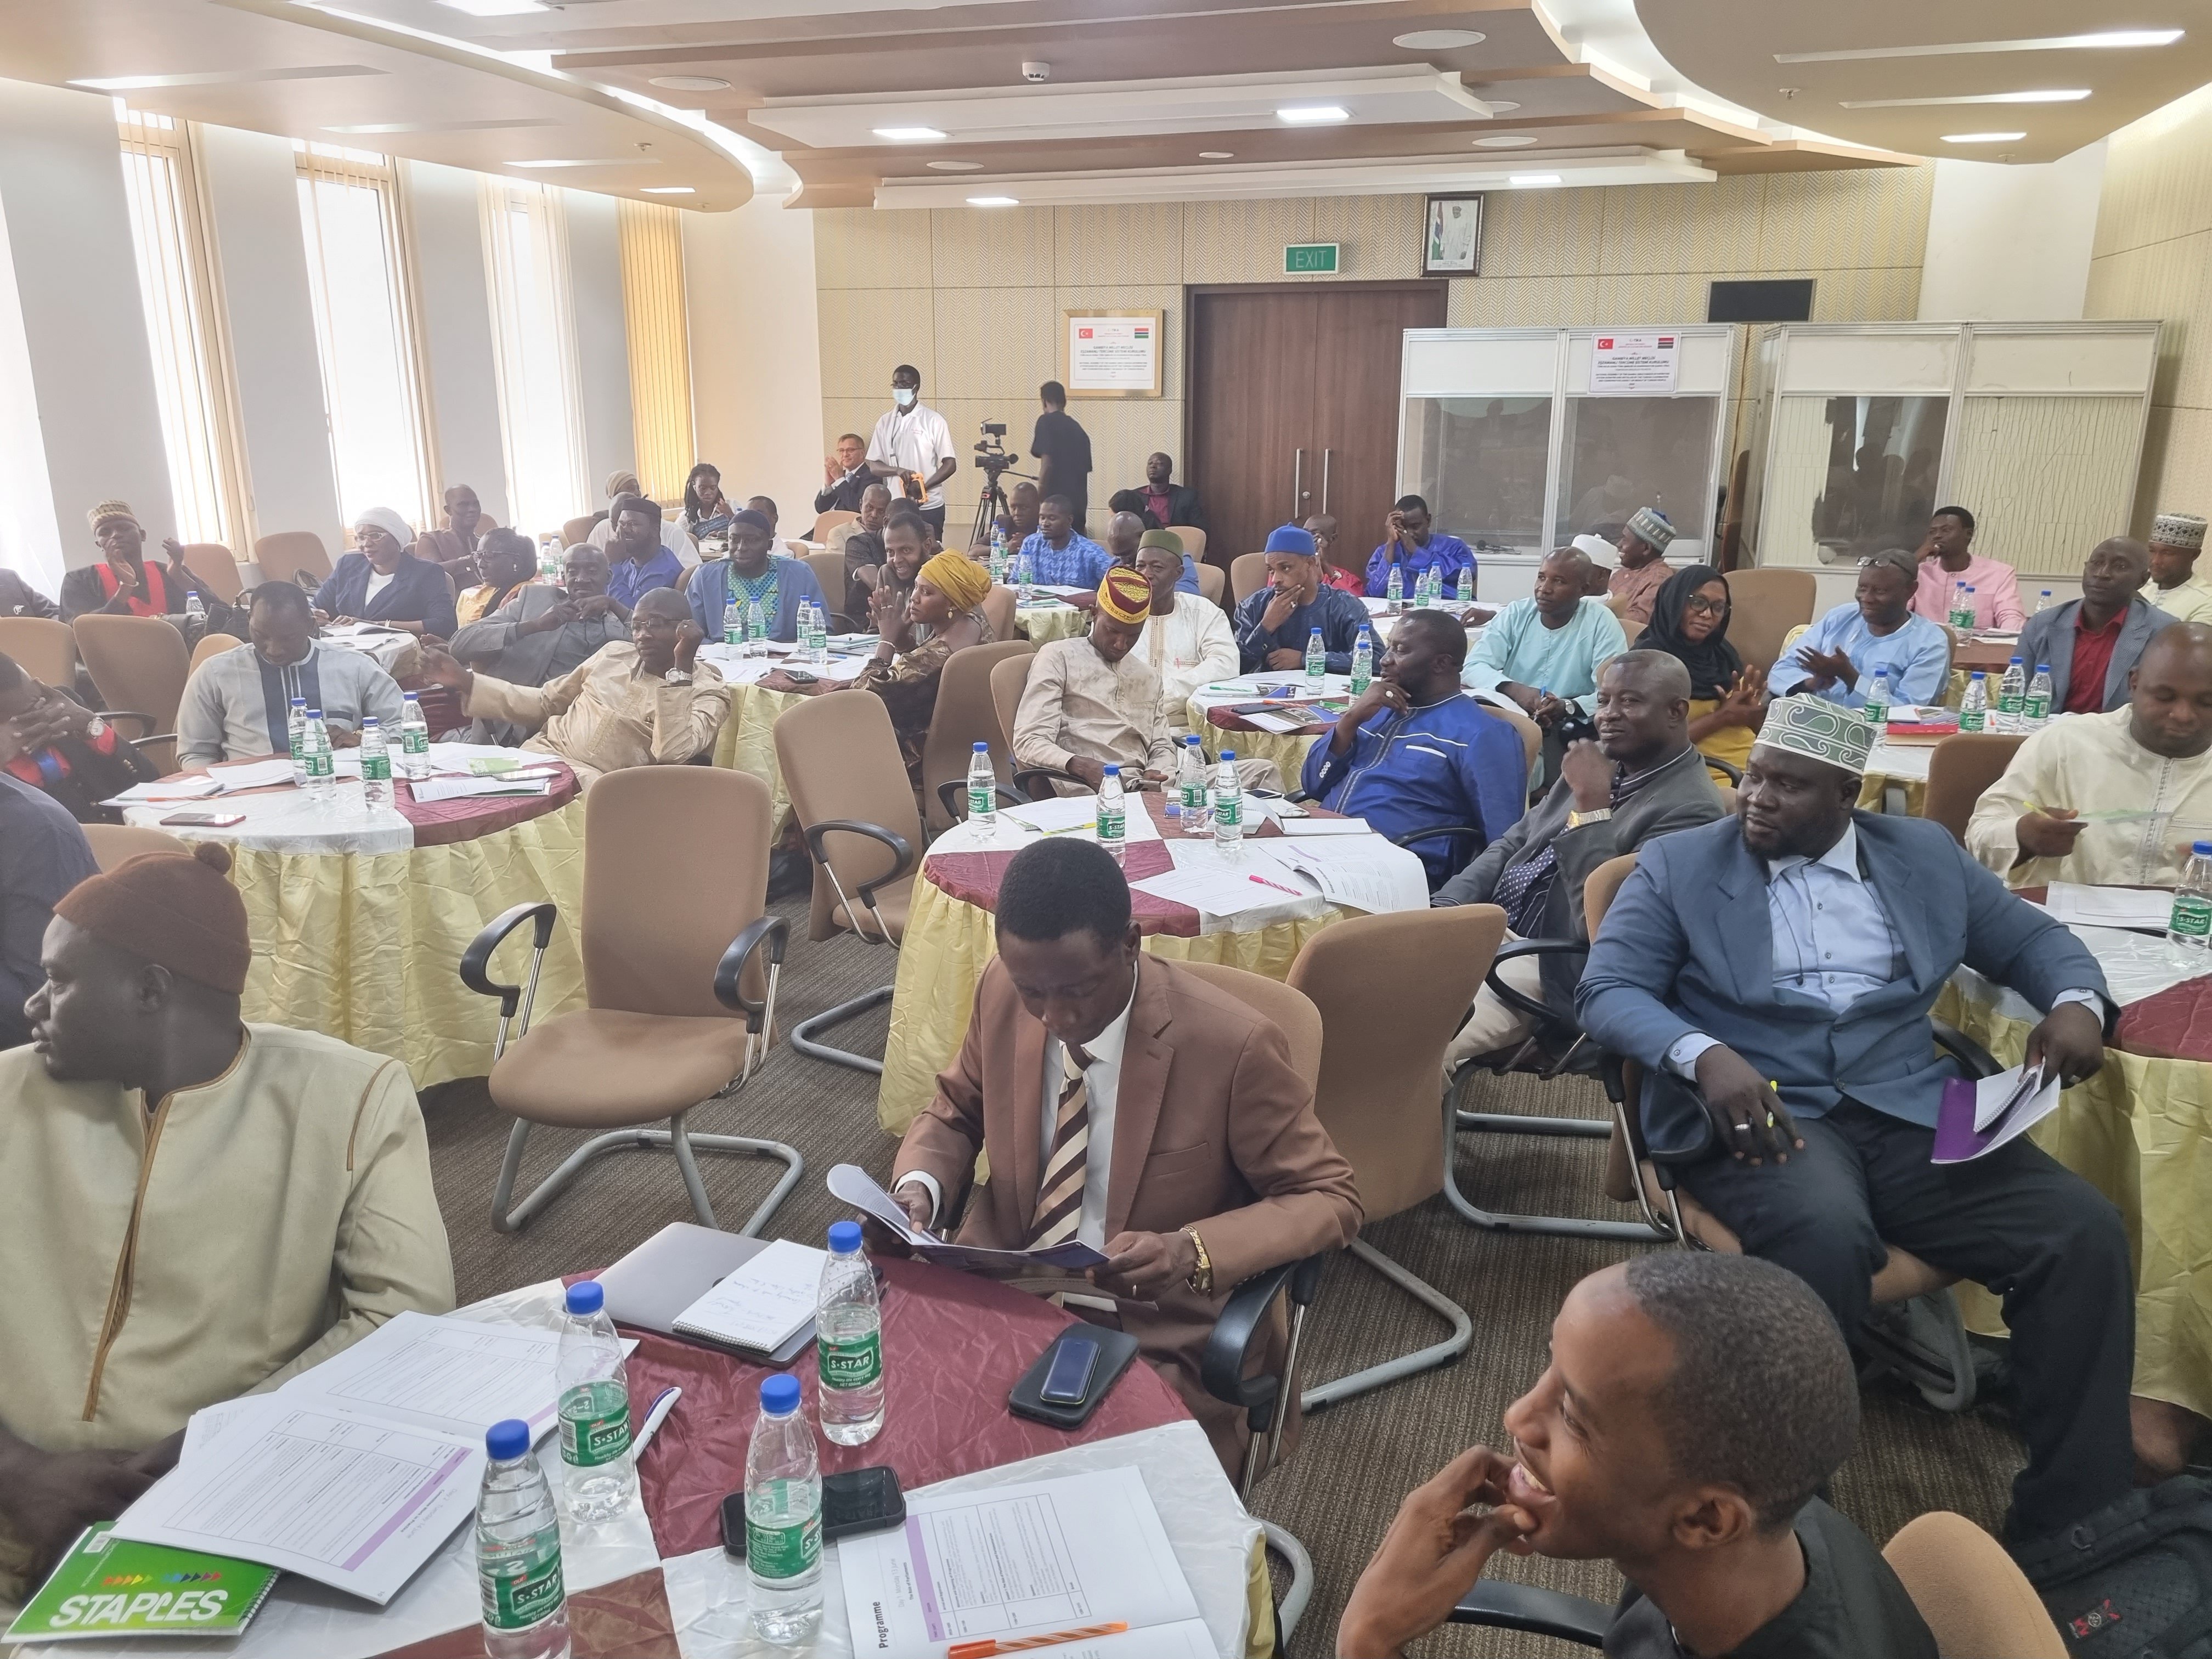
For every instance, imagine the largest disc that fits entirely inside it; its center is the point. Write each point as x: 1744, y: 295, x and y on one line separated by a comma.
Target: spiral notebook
x: 764, y: 1304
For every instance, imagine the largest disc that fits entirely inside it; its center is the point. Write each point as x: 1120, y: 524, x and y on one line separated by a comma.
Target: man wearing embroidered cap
x: 1274, y: 624
x: 1801, y: 944
x: 190, y: 1208
x: 125, y: 585
x: 1642, y: 549
x: 2176, y: 539
x: 1092, y: 701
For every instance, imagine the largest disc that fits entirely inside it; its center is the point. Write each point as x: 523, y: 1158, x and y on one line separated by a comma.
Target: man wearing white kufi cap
x: 2176, y: 539
x: 1642, y: 548
x: 1782, y: 965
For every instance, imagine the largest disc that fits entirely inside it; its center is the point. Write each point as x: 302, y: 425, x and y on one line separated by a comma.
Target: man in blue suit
x: 1803, y: 943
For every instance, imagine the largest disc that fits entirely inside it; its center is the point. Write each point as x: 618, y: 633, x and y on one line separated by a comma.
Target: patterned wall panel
x: 1544, y: 233
x: 2049, y: 477
x: 1522, y: 302
x: 994, y: 344
x: 1378, y: 237
x: 2158, y: 177
x: 868, y: 331
x: 1004, y: 247
x: 1702, y: 227
x: 859, y: 247
x: 1133, y: 244
x: 1241, y: 241
x: 1876, y: 217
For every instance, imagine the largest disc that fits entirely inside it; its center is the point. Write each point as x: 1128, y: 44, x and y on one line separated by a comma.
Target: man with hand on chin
x: 1798, y: 948
x: 1633, y: 1448
x: 1274, y: 625
x: 1129, y: 1105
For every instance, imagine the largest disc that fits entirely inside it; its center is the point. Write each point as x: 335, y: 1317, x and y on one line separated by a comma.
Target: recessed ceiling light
x: 495, y: 8
x: 1438, y: 39
x: 1217, y: 155
x: 993, y: 201
x: 668, y: 190
x: 1506, y: 140
x: 2041, y: 43
x: 1982, y: 137
x: 691, y: 82
x: 618, y: 161
x: 1530, y: 179
x: 909, y: 135
x: 224, y: 77
x: 1500, y: 105
x: 955, y: 166
x: 1304, y: 115
x: 2052, y: 95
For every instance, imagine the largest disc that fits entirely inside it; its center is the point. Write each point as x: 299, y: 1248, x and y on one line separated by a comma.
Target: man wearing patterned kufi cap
x: 2176, y: 539
x: 1782, y: 965
x: 1089, y: 703
x: 1643, y: 567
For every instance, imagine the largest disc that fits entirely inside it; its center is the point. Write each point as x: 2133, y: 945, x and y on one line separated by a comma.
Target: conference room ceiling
x: 1920, y: 76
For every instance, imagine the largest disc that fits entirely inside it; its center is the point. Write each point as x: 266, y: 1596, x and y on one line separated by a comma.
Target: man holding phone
x: 1128, y: 1104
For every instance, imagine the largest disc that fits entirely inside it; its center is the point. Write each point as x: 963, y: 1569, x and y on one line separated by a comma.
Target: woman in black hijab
x: 1728, y: 699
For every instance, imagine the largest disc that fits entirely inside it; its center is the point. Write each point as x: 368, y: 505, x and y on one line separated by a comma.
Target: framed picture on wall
x: 1111, y: 354
x: 1453, y: 245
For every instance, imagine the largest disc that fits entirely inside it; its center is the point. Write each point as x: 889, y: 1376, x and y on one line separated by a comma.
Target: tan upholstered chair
x: 1247, y: 574
x: 1764, y: 605
x: 840, y: 760
x: 42, y: 648
x: 212, y: 646
x: 116, y: 843
x: 286, y: 553
x: 138, y: 665
x: 577, y: 531
x: 1960, y: 770
x: 1193, y: 540
x: 1391, y: 990
x: 826, y: 522
x: 998, y: 608
x: 211, y: 561
x: 1010, y: 676
x: 964, y: 716
x: 1976, y: 1600
x: 828, y: 569
x: 1213, y: 582
x: 1531, y: 734
x: 680, y: 969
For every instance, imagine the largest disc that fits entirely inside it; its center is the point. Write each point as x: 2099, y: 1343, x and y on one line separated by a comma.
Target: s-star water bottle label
x: 852, y: 1365
x: 788, y: 1552
x: 594, y: 1424
x: 518, y: 1601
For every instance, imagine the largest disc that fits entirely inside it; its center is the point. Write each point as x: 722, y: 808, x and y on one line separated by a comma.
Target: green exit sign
x: 1309, y: 258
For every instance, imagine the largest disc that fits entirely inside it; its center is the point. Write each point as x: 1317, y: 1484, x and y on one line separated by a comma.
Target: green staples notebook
x: 112, y: 1587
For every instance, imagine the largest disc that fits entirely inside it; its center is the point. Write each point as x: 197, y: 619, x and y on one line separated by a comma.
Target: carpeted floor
x: 1356, y: 1459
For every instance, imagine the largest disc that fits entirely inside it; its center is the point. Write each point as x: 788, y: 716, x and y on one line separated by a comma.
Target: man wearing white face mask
x: 913, y: 442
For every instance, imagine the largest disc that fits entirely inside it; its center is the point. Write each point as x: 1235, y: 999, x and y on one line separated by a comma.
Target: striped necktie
x: 1060, y: 1199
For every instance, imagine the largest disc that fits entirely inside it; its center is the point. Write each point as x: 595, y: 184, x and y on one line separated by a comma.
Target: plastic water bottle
x: 2043, y: 604
x: 2035, y: 710
x: 525, y: 1605
x: 1393, y: 591
x: 1451, y: 589
x: 548, y: 559
x: 1968, y: 610
x: 195, y: 609
x: 1362, y: 662
x: 1113, y: 814
x: 783, y: 1518
x: 1962, y: 608
x: 1190, y: 784
x: 1228, y: 808
x: 1027, y: 577
x: 414, y: 740
x: 1877, y: 704
x: 322, y: 764
x: 2012, y: 698
x: 998, y: 553
x: 848, y: 1341
x: 1974, y: 707
x: 597, y: 1474
x: 1316, y: 658
x: 2190, y: 924
x: 1433, y: 587
x: 982, y: 790
x: 817, y: 635
x: 375, y: 765
x: 297, y: 721
x: 733, y: 623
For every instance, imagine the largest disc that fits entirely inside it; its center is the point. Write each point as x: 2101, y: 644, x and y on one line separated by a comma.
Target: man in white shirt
x: 239, y: 704
x: 1187, y: 639
x: 913, y: 442
x: 2176, y: 540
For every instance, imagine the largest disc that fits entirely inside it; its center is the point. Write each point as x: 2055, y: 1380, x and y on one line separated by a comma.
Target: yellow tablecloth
x: 948, y: 942
x: 2140, y: 1133
x: 1286, y: 749
x: 747, y: 743
x: 367, y: 946
x: 1053, y: 622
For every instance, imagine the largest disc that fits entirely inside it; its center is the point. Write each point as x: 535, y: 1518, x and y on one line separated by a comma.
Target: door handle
x: 1327, y: 457
x: 1297, y: 483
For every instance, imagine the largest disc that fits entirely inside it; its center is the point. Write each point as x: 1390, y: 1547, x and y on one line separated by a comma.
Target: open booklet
x: 854, y: 1185
x: 1977, y: 1116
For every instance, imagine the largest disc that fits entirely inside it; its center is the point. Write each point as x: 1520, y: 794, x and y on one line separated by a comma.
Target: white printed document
x: 426, y: 790
x: 1362, y: 873
x: 2073, y: 902
x: 856, y: 1187
x: 1008, y: 1562
x: 1220, y: 888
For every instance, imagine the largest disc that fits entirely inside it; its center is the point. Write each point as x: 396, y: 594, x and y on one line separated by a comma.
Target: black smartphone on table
x: 1071, y: 1376
x: 854, y: 1501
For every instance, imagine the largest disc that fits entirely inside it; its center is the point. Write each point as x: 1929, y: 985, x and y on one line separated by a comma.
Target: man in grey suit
x: 1803, y: 943
x: 541, y: 634
x: 2092, y: 644
x: 1641, y: 778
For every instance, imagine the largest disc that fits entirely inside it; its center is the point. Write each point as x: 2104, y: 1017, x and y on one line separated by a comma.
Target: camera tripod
x: 992, y: 503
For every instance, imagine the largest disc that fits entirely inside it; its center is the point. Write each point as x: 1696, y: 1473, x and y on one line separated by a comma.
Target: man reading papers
x: 1126, y: 1102
x: 190, y: 1208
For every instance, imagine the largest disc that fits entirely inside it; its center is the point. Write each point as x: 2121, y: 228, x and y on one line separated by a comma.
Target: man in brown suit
x: 1131, y: 1105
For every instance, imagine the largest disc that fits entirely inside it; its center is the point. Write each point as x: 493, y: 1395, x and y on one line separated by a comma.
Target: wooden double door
x: 1294, y: 407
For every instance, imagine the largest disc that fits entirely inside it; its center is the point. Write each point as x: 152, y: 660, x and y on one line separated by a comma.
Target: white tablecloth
x: 384, y: 647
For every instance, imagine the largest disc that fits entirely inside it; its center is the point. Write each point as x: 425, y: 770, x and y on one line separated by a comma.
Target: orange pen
x: 985, y: 1649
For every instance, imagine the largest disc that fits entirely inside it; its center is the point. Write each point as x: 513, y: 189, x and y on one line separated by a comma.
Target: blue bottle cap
x: 844, y: 1237
x: 367, y: 720
x: 301, y: 702
x: 2015, y: 662
x: 779, y: 1395
x: 1228, y: 754
x: 1979, y: 675
x: 1112, y: 771
x: 1192, y: 740
x: 2203, y: 850
x: 2043, y: 668
x: 405, y: 696
x: 585, y: 1297
x: 507, y: 1440
x: 985, y: 748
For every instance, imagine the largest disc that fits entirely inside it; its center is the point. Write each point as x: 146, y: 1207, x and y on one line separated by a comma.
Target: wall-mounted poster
x: 1112, y: 354
x: 1454, y: 243
x: 1635, y: 365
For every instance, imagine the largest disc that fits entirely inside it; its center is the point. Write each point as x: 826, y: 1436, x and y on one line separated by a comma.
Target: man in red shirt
x: 2091, y: 644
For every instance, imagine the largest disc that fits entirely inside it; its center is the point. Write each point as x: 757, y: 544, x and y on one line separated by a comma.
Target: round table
x: 747, y: 740
x: 1902, y: 764
x: 2140, y: 1133
x: 1041, y: 622
x: 1219, y: 729
x: 359, y: 920
x: 951, y: 937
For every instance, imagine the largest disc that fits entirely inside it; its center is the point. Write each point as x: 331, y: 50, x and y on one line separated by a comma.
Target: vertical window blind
x: 533, y: 337
x: 659, y: 345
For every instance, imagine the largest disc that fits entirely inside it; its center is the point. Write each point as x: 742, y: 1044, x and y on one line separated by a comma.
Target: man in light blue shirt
x: 1785, y: 963
x: 1543, y: 653
x: 1877, y: 634
x: 1059, y: 554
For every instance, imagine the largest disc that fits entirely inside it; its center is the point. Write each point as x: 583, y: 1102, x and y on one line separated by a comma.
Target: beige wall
x: 972, y: 296
x: 2154, y: 258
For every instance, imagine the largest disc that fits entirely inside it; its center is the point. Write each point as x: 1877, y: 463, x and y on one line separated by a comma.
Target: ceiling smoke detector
x: 1037, y: 71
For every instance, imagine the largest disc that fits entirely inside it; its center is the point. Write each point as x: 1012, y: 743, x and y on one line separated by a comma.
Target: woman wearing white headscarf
x: 383, y: 581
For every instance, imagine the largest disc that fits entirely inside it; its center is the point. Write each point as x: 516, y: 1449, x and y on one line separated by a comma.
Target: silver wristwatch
x: 677, y: 677
x: 95, y: 728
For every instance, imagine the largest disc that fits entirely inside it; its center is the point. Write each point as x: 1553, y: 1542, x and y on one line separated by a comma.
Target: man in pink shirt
x: 1948, y: 558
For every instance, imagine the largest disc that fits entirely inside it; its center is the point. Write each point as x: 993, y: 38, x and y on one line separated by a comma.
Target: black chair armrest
x: 147, y: 723
x: 1733, y: 773
x: 901, y: 850
x: 839, y: 622
x: 1229, y: 1347
x: 1456, y: 832
x: 729, y: 974
x: 476, y: 960
x: 1027, y: 778
x: 953, y: 793
x: 1974, y: 1060
x: 1520, y: 1001
x: 1538, y: 1612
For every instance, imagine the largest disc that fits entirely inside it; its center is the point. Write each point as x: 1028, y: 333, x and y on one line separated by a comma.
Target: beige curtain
x: 659, y: 346
x: 525, y: 243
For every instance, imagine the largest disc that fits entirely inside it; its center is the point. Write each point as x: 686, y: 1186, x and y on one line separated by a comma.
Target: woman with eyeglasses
x: 1727, y: 697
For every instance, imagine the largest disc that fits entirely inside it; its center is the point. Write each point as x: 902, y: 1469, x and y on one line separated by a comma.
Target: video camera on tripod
x: 992, y: 455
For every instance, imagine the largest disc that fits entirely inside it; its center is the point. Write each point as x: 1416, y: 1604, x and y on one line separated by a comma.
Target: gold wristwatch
x: 1201, y: 1277
x: 1596, y: 815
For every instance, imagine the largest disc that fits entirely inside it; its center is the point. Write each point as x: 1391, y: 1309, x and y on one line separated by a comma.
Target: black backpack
x: 2134, y: 1579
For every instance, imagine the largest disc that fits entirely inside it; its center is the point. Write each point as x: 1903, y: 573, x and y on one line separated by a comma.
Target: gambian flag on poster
x: 1143, y: 331
x: 1665, y: 343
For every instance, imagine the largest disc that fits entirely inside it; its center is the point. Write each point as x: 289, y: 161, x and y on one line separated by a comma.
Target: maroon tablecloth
x: 442, y: 823
x: 2175, y: 1024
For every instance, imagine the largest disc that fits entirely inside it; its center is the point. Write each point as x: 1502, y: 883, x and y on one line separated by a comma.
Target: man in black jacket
x: 1169, y: 502
x: 19, y: 599
x: 1642, y: 778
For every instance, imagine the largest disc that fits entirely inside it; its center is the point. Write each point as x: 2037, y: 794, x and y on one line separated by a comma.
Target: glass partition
x: 1480, y: 463
x: 1617, y: 454
x: 1850, y: 476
